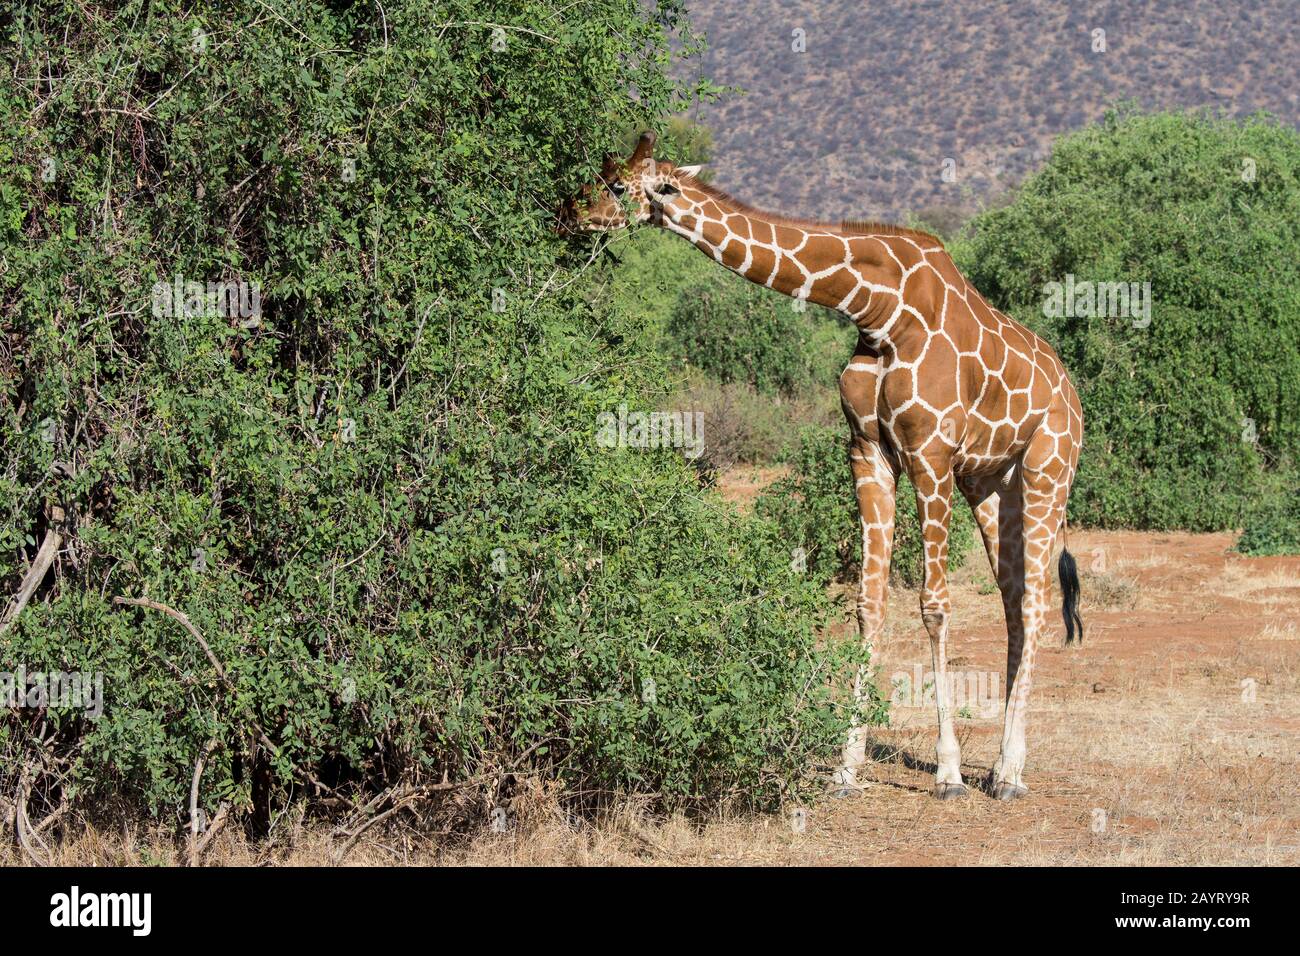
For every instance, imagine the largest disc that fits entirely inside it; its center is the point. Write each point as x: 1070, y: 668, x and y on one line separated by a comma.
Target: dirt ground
x: 1170, y: 736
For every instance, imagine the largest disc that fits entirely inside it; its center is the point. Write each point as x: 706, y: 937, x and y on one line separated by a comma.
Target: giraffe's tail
x: 1069, y: 572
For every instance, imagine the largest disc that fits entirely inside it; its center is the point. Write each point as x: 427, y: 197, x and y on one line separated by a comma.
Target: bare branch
x: 36, y: 573
x: 194, y: 788
x: 184, y: 621
x: 218, y: 821
x: 27, y: 837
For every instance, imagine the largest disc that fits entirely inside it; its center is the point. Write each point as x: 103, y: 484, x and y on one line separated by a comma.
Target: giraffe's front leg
x: 933, y: 482
x: 873, y: 479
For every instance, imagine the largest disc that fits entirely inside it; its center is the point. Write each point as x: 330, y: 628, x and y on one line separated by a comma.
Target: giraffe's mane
x: 845, y: 227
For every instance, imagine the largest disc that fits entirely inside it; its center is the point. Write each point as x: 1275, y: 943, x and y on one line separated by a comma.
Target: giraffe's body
x: 941, y: 387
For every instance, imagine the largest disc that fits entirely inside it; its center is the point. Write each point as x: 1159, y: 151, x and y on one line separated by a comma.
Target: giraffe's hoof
x: 1005, y: 790
x: 950, y: 791
x: 844, y: 783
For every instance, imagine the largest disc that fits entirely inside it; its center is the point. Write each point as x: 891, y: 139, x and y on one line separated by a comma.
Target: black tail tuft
x: 1069, y: 572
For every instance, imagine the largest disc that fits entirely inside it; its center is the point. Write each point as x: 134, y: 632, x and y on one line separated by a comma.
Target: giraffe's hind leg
x: 1045, y: 487
x: 996, y: 501
x: 874, y: 481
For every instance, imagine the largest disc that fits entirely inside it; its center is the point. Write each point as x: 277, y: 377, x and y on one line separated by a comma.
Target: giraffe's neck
x: 809, y: 261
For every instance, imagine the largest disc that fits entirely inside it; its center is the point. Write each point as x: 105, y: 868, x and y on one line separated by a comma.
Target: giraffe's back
x: 955, y: 351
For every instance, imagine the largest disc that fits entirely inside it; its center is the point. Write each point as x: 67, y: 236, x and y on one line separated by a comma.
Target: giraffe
x: 941, y: 387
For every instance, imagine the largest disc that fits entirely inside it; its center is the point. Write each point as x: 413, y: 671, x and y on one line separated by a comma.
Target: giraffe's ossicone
x: 941, y: 386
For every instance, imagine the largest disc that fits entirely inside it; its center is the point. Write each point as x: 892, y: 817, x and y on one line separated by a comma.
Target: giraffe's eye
x: 668, y: 189
x: 617, y: 188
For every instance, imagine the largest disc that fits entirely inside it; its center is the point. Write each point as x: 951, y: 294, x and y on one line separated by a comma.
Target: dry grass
x: 1109, y: 591
x: 1278, y: 631
x: 1242, y: 579
x: 1142, y: 562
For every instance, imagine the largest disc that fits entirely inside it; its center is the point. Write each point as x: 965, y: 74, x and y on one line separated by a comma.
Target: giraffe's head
x: 636, y: 189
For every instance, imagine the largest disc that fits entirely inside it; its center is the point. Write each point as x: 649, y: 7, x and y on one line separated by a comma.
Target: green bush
x: 1189, y: 416
x: 1273, y: 527
x: 381, y: 502
x: 815, y: 509
x: 646, y: 281
x: 740, y: 332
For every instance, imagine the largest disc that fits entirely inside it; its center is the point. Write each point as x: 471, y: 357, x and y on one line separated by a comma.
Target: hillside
x: 860, y: 123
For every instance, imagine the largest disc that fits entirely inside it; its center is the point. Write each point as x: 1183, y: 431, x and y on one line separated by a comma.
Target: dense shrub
x: 381, y: 503
x: 649, y: 271
x: 1185, y: 415
x: 1273, y: 527
x: 740, y: 332
x: 815, y: 509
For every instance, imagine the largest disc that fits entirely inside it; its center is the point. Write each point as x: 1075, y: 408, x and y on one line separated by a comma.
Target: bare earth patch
x: 742, y: 485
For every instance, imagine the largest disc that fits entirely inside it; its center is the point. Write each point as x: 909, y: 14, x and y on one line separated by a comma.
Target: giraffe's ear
x: 691, y: 171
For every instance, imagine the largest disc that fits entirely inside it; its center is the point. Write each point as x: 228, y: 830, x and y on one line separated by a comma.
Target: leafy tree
x: 740, y: 332
x: 379, y: 500
x: 688, y: 142
x: 1193, y: 411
